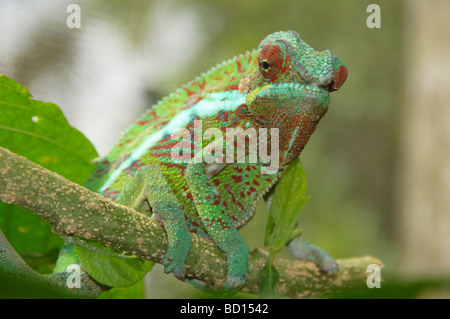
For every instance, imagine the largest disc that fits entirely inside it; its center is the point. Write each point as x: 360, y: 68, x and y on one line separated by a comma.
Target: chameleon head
x: 285, y: 58
x: 290, y: 88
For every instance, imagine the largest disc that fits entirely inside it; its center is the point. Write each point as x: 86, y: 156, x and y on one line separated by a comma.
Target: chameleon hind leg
x: 218, y: 225
x: 300, y: 248
x: 149, y: 184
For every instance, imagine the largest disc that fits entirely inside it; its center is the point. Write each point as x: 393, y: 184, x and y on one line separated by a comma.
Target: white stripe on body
x: 210, y: 105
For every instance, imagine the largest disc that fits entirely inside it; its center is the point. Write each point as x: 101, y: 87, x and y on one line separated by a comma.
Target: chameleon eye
x: 264, y: 65
x: 271, y: 60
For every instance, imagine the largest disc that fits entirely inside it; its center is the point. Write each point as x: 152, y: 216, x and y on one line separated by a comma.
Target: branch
x: 75, y: 210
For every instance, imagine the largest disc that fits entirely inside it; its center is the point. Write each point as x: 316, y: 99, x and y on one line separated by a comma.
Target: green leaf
x: 39, y: 132
x: 287, y: 203
x: 31, y: 236
x: 295, y: 233
x: 110, y: 267
x: 267, y: 281
x: 136, y: 291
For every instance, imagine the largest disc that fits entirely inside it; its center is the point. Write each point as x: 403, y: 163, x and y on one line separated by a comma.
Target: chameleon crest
x: 283, y: 85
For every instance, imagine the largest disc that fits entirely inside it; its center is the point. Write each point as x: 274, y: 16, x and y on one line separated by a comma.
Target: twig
x: 76, y: 211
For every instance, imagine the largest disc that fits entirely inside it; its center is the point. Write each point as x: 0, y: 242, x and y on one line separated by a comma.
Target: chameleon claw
x: 174, y: 266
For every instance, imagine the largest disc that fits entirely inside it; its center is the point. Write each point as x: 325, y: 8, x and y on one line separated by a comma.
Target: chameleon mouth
x: 330, y: 87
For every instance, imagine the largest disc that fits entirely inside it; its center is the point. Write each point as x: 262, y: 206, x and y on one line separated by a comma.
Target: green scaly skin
x: 284, y: 84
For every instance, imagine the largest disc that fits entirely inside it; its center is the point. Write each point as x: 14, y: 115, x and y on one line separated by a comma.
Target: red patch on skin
x: 255, y: 182
x: 225, y: 116
x: 222, y: 224
x: 202, y: 85
x: 249, y: 58
x: 134, y: 167
x: 142, y: 123
x: 178, y: 166
x: 232, y: 87
x: 239, y: 69
x: 190, y: 93
x: 110, y: 193
x: 237, y: 178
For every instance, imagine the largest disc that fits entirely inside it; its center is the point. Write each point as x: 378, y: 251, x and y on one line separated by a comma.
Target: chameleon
x: 284, y: 84
x: 278, y: 92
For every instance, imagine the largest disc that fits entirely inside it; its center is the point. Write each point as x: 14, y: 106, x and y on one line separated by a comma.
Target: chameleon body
x: 284, y: 84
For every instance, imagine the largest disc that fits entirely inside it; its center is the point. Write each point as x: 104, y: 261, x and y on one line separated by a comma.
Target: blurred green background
x: 378, y: 164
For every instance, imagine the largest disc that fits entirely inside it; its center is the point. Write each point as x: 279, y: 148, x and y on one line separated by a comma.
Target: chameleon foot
x: 175, y: 266
x: 300, y: 248
x: 175, y: 258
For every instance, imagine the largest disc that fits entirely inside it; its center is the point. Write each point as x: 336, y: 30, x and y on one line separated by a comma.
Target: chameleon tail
x: 12, y: 264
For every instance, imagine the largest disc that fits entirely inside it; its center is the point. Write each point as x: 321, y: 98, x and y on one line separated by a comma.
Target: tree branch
x: 76, y: 211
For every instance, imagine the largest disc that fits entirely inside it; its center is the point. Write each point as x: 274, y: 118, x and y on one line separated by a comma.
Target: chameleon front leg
x: 218, y: 225
x: 150, y: 184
